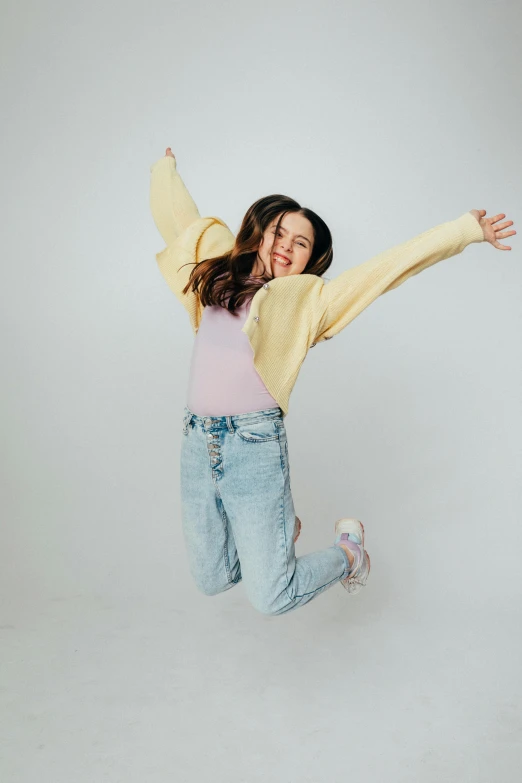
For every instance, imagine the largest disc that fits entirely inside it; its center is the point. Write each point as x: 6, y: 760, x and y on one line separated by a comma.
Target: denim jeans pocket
x: 258, y: 431
x: 283, y: 441
x: 186, y: 419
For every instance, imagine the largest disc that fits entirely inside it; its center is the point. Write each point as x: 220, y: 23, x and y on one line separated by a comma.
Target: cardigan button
x: 256, y: 318
x: 265, y: 285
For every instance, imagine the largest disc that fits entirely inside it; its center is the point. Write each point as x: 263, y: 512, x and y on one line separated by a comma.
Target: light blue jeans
x: 238, y: 515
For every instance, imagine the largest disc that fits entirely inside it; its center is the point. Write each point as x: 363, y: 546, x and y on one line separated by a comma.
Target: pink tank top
x: 223, y: 380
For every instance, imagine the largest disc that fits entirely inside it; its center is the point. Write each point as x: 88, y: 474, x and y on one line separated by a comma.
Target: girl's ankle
x: 349, y: 553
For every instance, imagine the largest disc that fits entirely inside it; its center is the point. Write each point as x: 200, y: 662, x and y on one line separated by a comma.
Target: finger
x: 497, y: 217
x: 504, y: 234
x: 504, y: 225
x: 501, y: 247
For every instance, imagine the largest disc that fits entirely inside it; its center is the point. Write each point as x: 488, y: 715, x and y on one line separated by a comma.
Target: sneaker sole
x: 350, y: 525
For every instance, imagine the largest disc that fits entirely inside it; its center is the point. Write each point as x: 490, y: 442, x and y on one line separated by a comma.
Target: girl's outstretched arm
x: 345, y: 296
x: 189, y: 238
x: 172, y: 206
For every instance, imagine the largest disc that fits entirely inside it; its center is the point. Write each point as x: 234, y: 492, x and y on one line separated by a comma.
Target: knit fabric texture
x: 288, y: 315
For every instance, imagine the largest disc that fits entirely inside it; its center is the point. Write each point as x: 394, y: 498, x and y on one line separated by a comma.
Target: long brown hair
x: 223, y: 280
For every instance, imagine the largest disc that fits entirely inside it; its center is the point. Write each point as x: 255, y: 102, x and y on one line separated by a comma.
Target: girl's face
x: 293, y: 243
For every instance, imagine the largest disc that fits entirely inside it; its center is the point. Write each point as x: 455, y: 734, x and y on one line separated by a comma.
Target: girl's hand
x: 493, y: 233
x: 169, y: 152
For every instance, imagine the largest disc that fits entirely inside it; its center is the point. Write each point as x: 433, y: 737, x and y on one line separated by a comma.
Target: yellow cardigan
x: 289, y: 314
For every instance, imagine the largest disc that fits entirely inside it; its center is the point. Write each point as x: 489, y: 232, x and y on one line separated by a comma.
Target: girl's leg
x: 254, y: 485
x: 209, y: 540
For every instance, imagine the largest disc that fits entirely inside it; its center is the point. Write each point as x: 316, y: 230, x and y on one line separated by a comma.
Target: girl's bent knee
x: 214, y: 588
x: 273, y: 607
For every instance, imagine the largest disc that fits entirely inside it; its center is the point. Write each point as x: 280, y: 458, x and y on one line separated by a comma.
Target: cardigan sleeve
x: 347, y: 295
x: 172, y: 206
x: 206, y: 237
x: 189, y: 238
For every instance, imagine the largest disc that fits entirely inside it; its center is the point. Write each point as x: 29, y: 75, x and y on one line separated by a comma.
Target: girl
x: 257, y: 303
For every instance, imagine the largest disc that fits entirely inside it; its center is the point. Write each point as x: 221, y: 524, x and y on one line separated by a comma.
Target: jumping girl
x: 257, y: 303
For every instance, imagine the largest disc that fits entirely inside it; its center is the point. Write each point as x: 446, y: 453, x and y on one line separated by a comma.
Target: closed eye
x: 299, y: 243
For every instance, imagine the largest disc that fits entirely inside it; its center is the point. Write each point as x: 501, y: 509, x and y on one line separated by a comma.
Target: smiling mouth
x: 281, y: 260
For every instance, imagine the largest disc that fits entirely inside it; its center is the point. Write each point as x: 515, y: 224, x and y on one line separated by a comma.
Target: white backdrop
x: 385, y: 118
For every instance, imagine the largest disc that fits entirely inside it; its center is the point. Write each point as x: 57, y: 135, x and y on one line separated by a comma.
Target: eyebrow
x: 297, y: 235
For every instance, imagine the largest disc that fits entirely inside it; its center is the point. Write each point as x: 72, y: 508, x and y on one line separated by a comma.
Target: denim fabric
x: 238, y: 514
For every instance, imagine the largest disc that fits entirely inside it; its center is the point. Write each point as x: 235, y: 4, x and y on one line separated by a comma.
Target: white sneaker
x: 350, y: 535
